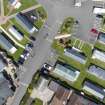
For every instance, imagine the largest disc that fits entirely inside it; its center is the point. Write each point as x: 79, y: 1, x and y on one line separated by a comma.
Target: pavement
x: 57, y: 11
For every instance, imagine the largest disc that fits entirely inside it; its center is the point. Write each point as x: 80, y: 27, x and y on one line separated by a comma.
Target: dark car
x: 99, y: 16
x: 21, y: 61
x: 30, y: 45
x: 32, y: 38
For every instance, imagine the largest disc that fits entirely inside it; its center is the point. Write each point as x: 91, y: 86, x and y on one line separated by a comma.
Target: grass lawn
x: 37, y: 102
x: 84, y: 74
x: 17, y: 54
x: 67, y: 26
x: 25, y: 4
x: 42, y: 17
x: 39, y: 23
x: 100, y: 45
x: 42, y: 13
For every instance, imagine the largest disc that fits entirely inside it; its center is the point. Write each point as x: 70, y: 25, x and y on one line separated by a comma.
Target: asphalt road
x: 57, y: 11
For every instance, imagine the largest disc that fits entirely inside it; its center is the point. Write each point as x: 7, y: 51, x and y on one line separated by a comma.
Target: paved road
x: 57, y: 10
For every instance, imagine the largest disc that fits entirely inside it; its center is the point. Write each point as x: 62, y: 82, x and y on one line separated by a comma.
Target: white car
x: 47, y: 66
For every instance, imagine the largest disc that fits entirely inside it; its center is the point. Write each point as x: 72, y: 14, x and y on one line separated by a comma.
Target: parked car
x: 21, y: 60
x: 93, y: 30
x: 29, y: 47
x: 47, y: 67
x: 32, y: 38
x: 25, y: 54
x: 99, y: 16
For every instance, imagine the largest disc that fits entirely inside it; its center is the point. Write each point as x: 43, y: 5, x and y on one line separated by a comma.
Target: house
x: 5, y: 90
x: 65, y: 72
x: 61, y: 95
x: 75, y: 54
x: 16, y: 33
x: 97, y: 71
x: 15, y: 3
x: 6, y: 44
x: 42, y: 91
x: 77, y: 99
x: 101, y: 37
x: 94, y: 89
x: 98, y: 55
x: 25, y: 23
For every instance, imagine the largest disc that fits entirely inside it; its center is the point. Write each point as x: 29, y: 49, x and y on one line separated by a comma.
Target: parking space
x: 84, y: 14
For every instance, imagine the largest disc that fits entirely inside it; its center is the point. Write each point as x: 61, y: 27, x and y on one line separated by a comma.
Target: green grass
x: 100, y: 45
x: 67, y: 26
x: 25, y: 4
x: 17, y: 54
x: 42, y: 13
x: 37, y: 102
x: 39, y: 23
x: 42, y: 17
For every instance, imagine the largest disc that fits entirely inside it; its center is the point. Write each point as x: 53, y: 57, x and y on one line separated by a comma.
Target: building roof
x: 97, y: 71
x: 101, y: 37
x: 5, y: 91
x: 42, y: 91
x: 74, y: 54
x: 25, y: 23
x: 94, y: 89
x: 76, y: 99
x: 6, y: 44
x: 16, y: 33
x: 67, y: 73
x: 98, y: 55
x: 98, y: 10
x: 61, y: 94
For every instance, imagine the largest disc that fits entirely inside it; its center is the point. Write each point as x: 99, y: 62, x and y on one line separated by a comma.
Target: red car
x: 94, y: 31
